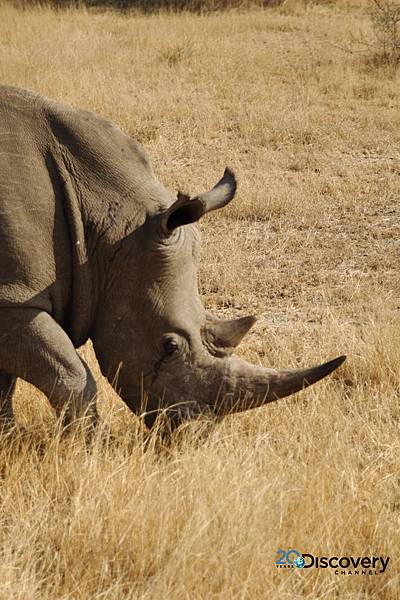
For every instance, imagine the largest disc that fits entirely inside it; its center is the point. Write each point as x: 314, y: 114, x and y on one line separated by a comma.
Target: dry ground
x: 311, y: 244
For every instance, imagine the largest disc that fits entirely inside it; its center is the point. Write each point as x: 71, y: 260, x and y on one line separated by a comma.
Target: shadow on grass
x: 151, y: 6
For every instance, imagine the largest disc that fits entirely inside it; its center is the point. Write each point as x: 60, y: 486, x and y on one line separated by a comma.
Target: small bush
x: 385, y: 17
x: 382, y: 48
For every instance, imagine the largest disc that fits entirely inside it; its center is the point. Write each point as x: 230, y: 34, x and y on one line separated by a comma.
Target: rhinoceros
x: 92, y: 246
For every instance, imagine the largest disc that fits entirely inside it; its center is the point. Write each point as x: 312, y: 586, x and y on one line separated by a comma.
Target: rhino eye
x: 170, y: 346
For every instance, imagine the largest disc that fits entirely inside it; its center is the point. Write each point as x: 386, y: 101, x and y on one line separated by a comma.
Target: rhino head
x: 114, y: 259
x: 153, y: 335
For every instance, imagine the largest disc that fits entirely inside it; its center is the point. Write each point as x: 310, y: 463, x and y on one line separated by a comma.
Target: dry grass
x: 311, y: 244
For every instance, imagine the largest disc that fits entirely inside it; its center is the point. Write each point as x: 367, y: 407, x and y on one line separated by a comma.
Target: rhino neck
x: 109, y: 190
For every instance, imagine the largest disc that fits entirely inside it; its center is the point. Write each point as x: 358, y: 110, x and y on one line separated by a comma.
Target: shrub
x: 385, y: 17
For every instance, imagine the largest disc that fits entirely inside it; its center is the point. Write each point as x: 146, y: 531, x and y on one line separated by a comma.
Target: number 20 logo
x: 284, y: 558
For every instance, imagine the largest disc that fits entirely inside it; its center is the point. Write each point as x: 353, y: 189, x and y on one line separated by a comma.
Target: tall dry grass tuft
x: 310, y: 244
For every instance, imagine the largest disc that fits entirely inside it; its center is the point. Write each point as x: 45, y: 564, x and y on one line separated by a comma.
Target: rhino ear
x: 187, y: 210
x: 224, y: 336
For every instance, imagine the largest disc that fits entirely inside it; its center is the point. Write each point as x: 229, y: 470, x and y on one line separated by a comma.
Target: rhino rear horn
x: 187, y: 210
x: 227, y: 334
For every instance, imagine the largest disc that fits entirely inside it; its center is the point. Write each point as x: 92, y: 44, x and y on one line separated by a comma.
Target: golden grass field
x: 310, y: 244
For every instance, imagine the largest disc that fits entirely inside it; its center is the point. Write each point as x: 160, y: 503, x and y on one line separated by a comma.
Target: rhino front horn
x: 248, y: 386
x: 187, y: 210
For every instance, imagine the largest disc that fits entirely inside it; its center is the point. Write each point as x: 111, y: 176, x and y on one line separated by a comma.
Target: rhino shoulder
x: 86, y: 134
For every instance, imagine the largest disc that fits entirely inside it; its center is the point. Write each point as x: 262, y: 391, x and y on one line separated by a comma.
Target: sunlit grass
x: 310, y: 244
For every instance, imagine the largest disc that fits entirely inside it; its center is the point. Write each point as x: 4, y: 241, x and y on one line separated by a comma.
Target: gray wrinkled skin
x: 93, y: 246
